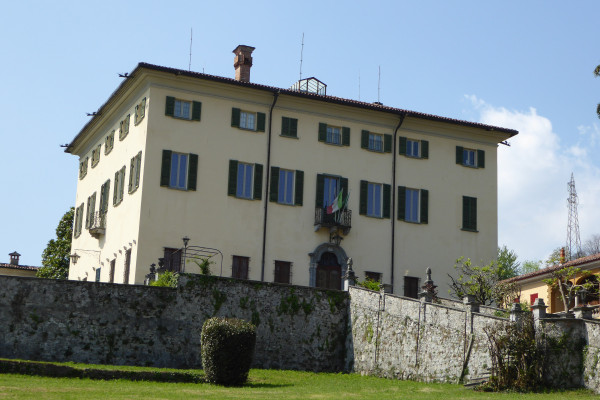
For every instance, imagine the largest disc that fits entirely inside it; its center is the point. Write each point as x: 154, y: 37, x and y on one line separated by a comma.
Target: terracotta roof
x: 21, y: 267
x: 318, y: 97
x: 543, y: 271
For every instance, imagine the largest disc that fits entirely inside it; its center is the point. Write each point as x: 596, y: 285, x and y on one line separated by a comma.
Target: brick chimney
x: 562, y: 256
x: 14, y: 258
x: 242, y: 62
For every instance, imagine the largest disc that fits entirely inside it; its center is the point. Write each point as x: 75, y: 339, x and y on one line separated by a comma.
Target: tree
x: 562, y: 280
x: 508, y: 266
x: 481, y: 282
x: 55, y: 258
x: 592, y: 245
x: 530, y: 266
x: 597, y: 73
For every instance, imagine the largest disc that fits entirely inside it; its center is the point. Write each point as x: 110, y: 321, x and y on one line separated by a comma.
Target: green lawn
x: 263, y: 384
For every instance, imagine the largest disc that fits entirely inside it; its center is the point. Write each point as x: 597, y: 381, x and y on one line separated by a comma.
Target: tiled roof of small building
x: 21, y: 267
x: 573, y: 263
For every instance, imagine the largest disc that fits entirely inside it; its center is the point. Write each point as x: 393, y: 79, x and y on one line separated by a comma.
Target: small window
x: 289, y: 127
x: 134, y: 172
x: 253, y: 121
x: 247, y: 120
x: 98, y: 271
x: 411, y: 287
x: 373, y: 276
x: 83, y: 167
x: 78, y: 221
x: 140, y: 112
x: 470, y: 157
x: 469, y: 213
x: 245, y: 174
x: 124, y: 127
x: 239, y: 268
x: 286, y: 187
x: 334, y: 134
x: 413, y: 148
x: 374, y: 200
x: 245, y: 180
x: 375, y: 142
x: 109, y: 142
x: 183, y: 109
x: 96, y: 155
x: 412, y: 205
x: 282, y: 272
x: 119, y: 185
x: 178, y: 171
x: 172, y: 259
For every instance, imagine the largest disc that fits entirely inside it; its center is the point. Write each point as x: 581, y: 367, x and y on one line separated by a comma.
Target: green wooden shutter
x: 143, y: 109
x: 299, y: 189
x: 196, y: 111
x: 131, y: 176
x: 402, y: 146
x: 320, y: 191
x: 235, y: 117
x: 285, y: 126
x: 364, y: 193
x: 87, y: 214
x: 401, y: 203
x: 345, y: 136
x: 136, y: 114
x: 138, y: 169
x: 344, y: 186
x: 322, y: 132
x: 387, y: 143
x: 274, y: 188
x: 459, y: 154
x: 258, y: 173
x: 115, y: 191
x: 480, y: 159
x: 232, y: 182
x: 387, y: 200
x: 192, y: 172
x: 170, y: 106
x: 474, y: 213
x: 293, y: 127
x: 465, y: 216
x: 260, y: 122
x: 424, y: 206
x: 424, y: 149
x: 165, y: 171
x: 364, y: 139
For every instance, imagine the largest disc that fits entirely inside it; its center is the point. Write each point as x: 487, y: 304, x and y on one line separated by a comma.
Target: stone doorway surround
x: 316, y: 254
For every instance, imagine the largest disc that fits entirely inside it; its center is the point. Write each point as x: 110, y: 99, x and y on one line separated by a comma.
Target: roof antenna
x: 190, y: 64
x: 379, y: 85
x: 301, y: 52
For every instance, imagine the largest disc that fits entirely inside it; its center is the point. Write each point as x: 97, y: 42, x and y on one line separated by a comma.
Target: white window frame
x: 374, y: 200
x: 334, y: 135
x: 180, y: 164
x: 286, y: 186
x: 376, y: 142
x: 182, y: 109
x: 410, y: 148
x: 412, y: 210
x: 469, y: 158
x: 244, y: 188
x: 248, y: 120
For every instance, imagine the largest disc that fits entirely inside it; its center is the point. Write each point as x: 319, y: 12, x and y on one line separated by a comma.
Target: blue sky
x: 525, y: 65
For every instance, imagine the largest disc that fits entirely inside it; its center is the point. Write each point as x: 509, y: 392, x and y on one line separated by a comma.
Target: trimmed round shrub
x: 227, y: 350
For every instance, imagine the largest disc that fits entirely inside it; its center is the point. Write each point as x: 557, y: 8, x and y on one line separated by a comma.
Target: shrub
x: 227, y: 350
x: 369, y: 284
x: 166, y: 279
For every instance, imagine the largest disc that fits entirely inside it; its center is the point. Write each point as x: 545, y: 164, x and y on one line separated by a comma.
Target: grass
x: 263, y: 384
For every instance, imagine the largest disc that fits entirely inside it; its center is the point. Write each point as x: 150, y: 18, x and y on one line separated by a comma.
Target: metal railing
x: 341, y: 218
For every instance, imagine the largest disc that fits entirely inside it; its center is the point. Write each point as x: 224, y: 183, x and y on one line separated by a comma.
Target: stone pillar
x: 349, y: 276
x: 539, y: 311
x: 516, y: 313
x: 470, y: 303
x: 583, y: 312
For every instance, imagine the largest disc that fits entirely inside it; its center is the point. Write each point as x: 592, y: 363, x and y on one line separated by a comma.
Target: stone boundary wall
x: 403, y: 338
x: 55, y: 320
x: 591, y: 361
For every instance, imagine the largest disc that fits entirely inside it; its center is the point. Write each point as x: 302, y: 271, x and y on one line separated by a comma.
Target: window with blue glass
x: 412, y: 205
x: 334, y: 134
x: 473, y: 158
x: 469, y: 157
x: 182, y: 109
x: 331, y: 187
x: 412, y: 148
x: 374, y: 200
x: 179, y: 168
x: 286, y: 187
x: 245, y: 174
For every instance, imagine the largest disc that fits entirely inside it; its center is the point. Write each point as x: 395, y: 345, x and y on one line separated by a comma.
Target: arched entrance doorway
x: 327, y: 266
x: 329, y: 272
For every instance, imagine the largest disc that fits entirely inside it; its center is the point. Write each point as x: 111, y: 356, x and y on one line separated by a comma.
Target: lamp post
x: 186, y: 240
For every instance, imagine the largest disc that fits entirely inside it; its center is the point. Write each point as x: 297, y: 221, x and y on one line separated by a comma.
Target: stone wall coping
x: 592, y: 321
x: 491, y: 316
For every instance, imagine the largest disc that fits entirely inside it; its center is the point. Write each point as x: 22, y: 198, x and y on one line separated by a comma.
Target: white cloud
x: 532, y: 181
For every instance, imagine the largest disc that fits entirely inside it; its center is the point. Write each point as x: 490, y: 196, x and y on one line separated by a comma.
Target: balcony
x: 340, y: 219
x: 98, y: 224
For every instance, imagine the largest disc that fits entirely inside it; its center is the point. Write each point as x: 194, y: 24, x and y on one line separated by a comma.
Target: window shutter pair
x: 424, y: 205
x: 321, y: 189
x: 480, y: 157
x: 387, y: 141
x: 298, y: 186
x: 165, y: 172
x: 424, y: 147
x: 104, y: 190
x: 232, y: 180
x: 289, y: 127
x: 469, y: 213
x: 134, y: 172
x: 260, y: 119
x: 364, y: 194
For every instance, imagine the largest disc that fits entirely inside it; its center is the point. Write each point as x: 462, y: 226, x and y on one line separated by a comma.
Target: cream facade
x: 224, y: 140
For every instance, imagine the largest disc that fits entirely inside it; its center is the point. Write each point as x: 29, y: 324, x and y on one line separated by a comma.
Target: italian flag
x: 336, y: 204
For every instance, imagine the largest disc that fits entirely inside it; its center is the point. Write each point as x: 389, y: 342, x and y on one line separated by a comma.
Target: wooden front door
x: 329, y: 272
